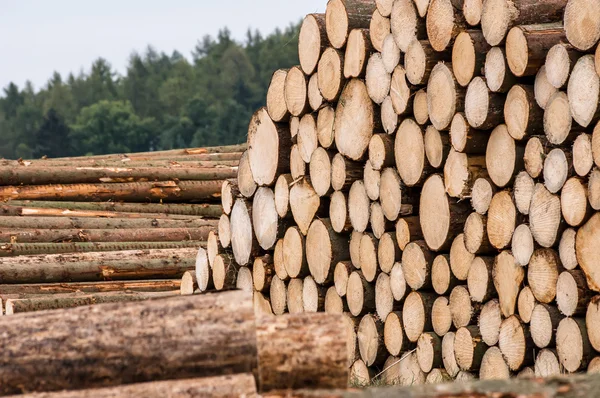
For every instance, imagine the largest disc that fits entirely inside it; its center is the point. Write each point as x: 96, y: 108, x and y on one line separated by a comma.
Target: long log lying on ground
x: 30, y: 235
x: 189, y: 336
x: 171, y: 191
x: 203, y: 210
x: 78, y: 175
x: 101, y: 223
x: 8, y: 210
x: 91, y: 287
x: 208, y: 160
x: 238, y: 385
x: 121, y: 265
x: 28, y: 249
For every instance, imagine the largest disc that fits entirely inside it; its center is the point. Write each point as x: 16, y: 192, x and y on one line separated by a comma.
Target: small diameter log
x: 377, y: 79
x: 558, y: 119
x: 468, y: 55
x: 359, y: 206
x: 313, y: 295
x: 294, y: 297
x: 566, y: 249
x: 269, y: 145
x: 502, y: 220
x: 243, y: 240
x: 279, y: 261
x: 189, y: 283
x: 465, y: 138
x: 594, y: 189
x: 483, y: 108
x: 320, y: 170
x: 294, y: 253
x: 355, y: 238
x: 390, y: 53
x: 429, y: 351
x: 368, y: 257
x: 397, y: 282
x: 282, y: 195
x: 265, y: 220
x: 460, y: 258
x: 443, y: 24
x: 544, y: 321
x: 522, y: 115
x: 245, y: 179
x: 444, y: 96
x: 544, y: 216
x: 417, y: 261
x: 515, y: 343
x: 379, y: 224
x: 393, y: 196
x: 419, y: 61
x: 481, y: 195
x: 448, y: 357
x: 312, y: 41
x: 276, y: 105
x: 408, y: 229
x: 224, y: 231
x: 591, y: 319
x: 583, y: 159
x: 572, y: 344
x: 525, y: 304
x: 461, y: 171
x: 584, y: 91
x: 406, y: 26
x: 356, y: 120
x: 372, y: 181
x: 586, y: 246
x: 263, y: 271
x: 358, y: 49
x: 384, y: 7
x: 490, y: 320
x: 360, y: 294
x: 442, y: 278
x: 370, y: 341
x: 469, y: 348
x: 508, y: 276
x: 305, y: 204
x: 493, y: 366
x: 535, y: 153
x: 342, y: 16
x: 480, y: 281
x: 542, y: 274
x: 574, y: 202
x: 334, y: 304
x: 338, y: 212
x: 225, y: 274
x: 522, y: 245
x: 497, y: 74
x: 244, y: 279
x: 523, y: 191
x: 242, y: 384
x: 409, y: 150
x: 228, y: 315
x: 344, y: 172
x: 325, y: 119
x: 504, y: 157
x: 437, y: 147
x: 388, y: 252
x: 360, y: 374
x: 203, y: 271
x: 498, y: 16
x: 393, y: 334
x: 557, y: 167
x: 416, y: 314
x: 229, y: 192
x: 389, y: 117
x: 475, y: 235
x: 572, y: 293
x: 543, y: 89
x: 384, y: 298
x: 528, y: 45
x: 379, y: 28
x: 441, y: 316
x: 381, y: 151
x: 594, y: 366
x: 582, y: 24
x: 330, y: 74
x: 441, y: 218
x: 278, y: 295
x: 547, y: 364
x: 438, y: 376
x: 559, y: 63
x: 324, y: 249
x: 315, y: 98
x: 307, y: 139
x: 420, y: 110
x: 461, y: 308
x: 296, y: 91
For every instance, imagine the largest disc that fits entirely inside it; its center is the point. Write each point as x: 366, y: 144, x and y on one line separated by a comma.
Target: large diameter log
x: 134, y: 264
x: 508, y: 276
x: 242, y: 384
x: 498, y: 16
x: 269, y: 144
x: 342, y: 16
x: 528, y: 45
x: 29, y: 235
x: 312, y: 41
x: 225, y: 320
x: 356, y: 120
x: 27, y: 249
x: 203, y: 210
x: 169, y: 191
x: 59, y: 301
x: 582, y: 23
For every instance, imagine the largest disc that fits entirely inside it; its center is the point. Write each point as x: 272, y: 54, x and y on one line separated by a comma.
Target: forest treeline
x: 162, y: 102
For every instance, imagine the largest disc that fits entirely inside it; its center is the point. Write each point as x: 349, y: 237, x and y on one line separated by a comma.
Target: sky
x: 38, y: 37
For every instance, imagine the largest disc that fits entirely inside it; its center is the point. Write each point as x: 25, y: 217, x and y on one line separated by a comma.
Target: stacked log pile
x: 110, y: 228
x: 430, y: 169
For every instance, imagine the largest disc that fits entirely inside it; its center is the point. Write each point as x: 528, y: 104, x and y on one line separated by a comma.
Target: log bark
x: 27, y: 249
x: 39, y: 289
x: 344, y: 15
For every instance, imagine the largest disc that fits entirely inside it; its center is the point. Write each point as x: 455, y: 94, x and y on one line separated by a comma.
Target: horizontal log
x: 237, y: 385
x: 170, y: 191
x: 27, y: 249
x: 7, y: 210
x: 101, y: 223
x: 121, y: 265
x: 34, y: 175
x: 91, y: 287
x: 204, y: 160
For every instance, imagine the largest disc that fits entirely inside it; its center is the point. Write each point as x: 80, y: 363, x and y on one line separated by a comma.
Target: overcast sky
x: 38, y: 37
